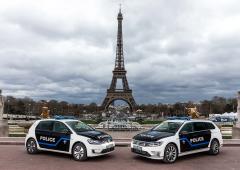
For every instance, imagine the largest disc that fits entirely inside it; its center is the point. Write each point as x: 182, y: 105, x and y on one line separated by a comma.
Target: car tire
x: 31, y: 146
x: 214, y: 147
x: 170, y: 153
x: 79, y: 152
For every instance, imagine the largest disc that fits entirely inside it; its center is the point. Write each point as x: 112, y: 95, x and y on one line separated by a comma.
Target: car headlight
x: 94, y: 142
x: 153, y: 144
x: 134, y: 141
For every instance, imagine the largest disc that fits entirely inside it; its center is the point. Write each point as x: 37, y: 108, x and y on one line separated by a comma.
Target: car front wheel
x: 31, y: 146
x: 170, y: 153
x: 79, y: 152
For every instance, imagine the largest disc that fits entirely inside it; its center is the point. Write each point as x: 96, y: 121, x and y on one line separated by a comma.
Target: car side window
x: 210, y: 125
x: 188, y: 127
x: 60, y: 127
x: 45, y: 126
x: 199, y: 126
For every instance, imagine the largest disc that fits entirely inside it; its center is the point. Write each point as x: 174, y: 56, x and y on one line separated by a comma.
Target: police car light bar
x: 178, y: 118
x: 59, y: 117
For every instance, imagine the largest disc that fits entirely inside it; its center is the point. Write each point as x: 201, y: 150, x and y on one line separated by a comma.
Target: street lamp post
x: 7, y: 108
x: 54, y: 111
x: 29, y: 109
x: 68, y: 109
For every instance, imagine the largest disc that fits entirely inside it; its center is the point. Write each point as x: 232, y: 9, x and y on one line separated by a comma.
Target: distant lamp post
x: 54, y: 111
x: 68, y: 109
x: 210, y: 108
x: 8, y: 101
x: 29, y: 110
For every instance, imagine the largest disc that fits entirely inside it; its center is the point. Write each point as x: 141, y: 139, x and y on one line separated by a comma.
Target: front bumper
x: 156, y: 152
x: 102, y: 149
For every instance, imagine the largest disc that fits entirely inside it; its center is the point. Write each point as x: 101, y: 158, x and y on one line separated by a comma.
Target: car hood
x: 152, y: 135
x: 95, y: 135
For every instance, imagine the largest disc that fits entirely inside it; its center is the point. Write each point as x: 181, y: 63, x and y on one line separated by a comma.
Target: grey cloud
x: 174, y: 51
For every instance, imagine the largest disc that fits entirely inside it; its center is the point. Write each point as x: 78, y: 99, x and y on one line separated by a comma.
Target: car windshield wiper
x: 159, y: 130
x: 85, y: 130
x: 168, y: 131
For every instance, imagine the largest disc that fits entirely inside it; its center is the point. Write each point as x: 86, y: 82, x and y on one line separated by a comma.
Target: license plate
x: 137, y: 147
x: 109, y: 146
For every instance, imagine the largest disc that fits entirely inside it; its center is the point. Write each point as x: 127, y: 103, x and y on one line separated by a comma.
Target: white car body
x: 182, y: 143
x: 47, y: 142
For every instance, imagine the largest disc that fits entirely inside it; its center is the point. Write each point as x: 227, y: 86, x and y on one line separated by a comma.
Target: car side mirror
x: 153, y: 127
x: 183, y: 132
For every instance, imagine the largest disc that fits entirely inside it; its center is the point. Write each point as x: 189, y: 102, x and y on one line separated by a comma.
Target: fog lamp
x: 156, y: 153
x: 96, y: 151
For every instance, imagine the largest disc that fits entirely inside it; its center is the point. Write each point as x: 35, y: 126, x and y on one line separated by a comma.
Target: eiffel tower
x: 119, y: 73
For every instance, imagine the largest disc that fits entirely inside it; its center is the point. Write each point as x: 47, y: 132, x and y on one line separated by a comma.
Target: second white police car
x: 68, y: 136
x: 174, y: 138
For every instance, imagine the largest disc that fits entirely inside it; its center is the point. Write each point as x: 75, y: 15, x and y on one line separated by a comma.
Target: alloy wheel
x: 79, y: 152
x: 170, y: 155
x: 215, y: 147
x: 31, y: 146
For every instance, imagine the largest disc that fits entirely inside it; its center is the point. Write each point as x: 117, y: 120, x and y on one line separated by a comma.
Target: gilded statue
x: 192, y: 111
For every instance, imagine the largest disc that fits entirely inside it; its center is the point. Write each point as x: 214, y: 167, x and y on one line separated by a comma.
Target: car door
x: 202, y: 135
x: 185, y: 135
x: 43, y: 133
x: 62, y: 135
x: 197, y: 139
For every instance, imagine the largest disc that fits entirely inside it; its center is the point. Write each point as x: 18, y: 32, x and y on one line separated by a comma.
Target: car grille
x: 107, y: 150
x: 144, y: 153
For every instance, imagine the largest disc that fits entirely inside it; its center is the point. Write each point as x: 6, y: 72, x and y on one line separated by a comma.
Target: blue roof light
x: 178, y: 118
x: 59, y: 117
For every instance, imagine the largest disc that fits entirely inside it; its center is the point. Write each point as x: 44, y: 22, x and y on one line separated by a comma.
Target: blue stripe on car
x: 53, y: 145
x: 194, y: 145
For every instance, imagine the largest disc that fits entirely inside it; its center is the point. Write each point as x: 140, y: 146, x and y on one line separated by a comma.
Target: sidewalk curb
x: 11, y: 143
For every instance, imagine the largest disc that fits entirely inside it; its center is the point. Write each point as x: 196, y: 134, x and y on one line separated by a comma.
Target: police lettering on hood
x: 151, y: 135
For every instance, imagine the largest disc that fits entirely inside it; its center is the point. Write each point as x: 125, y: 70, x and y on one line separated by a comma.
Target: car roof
x: 176, y: 120
x: 191, y: 120
x: 60, y: 120
x: 200, y: 120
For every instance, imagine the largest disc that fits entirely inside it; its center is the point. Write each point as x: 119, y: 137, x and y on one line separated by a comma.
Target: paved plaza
x: 15, y: 158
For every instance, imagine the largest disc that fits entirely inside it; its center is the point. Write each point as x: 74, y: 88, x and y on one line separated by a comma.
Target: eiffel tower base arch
x: 125, y: 96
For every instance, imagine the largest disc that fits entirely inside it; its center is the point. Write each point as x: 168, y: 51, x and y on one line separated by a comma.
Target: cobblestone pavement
x: 16, y: 158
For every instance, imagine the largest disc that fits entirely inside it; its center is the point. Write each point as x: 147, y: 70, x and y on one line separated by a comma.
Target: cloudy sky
x: 175, y: 50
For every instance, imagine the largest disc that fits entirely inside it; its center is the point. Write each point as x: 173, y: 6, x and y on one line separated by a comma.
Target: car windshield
x: 170, y: 127
x: 78, y: 126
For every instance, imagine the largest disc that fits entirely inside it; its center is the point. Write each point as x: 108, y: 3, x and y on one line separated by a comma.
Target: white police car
x: 68, y: 136
x: 173, y: 138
